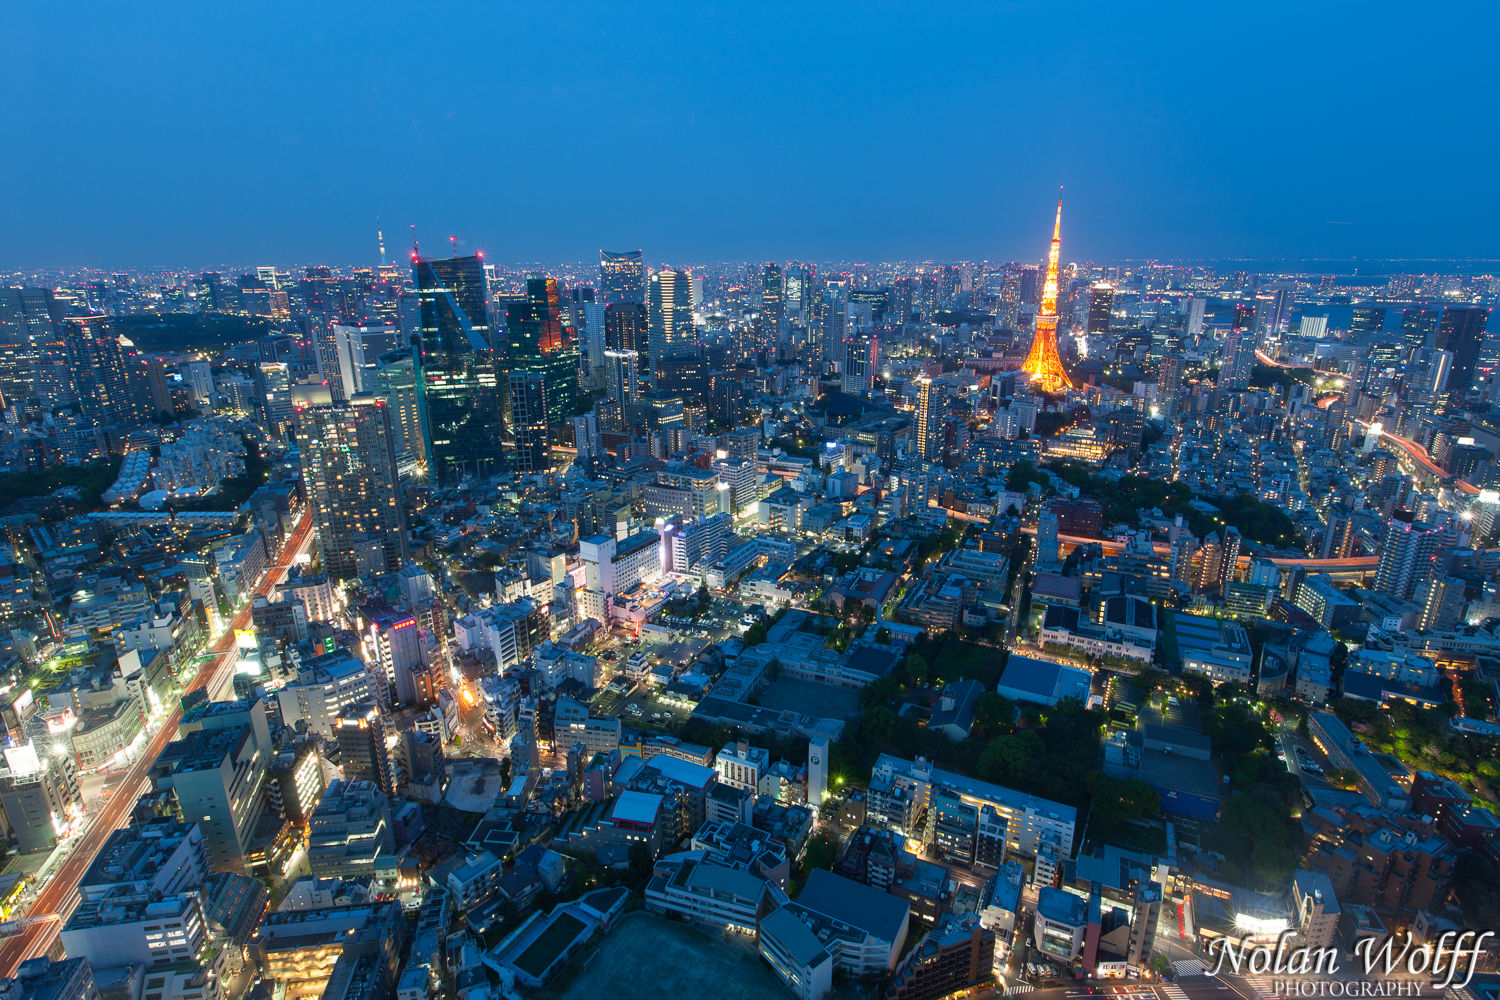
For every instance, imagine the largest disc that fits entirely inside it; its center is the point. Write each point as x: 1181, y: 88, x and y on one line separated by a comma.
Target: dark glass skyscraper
x: 772, y: 306
x: 625, y: 327
x: 538, y: 342
x: 457, y: 381
x: 528, y: 419
x: 1461, y: 332
x: 622, y: 277
x: 1366, y: 319
x: 1417, y: 325
x: 1101, y: 306
x: 1244, y: 317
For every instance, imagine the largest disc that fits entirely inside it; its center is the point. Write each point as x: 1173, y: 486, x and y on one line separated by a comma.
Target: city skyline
x: 914, y: 134
x: 537, y: 501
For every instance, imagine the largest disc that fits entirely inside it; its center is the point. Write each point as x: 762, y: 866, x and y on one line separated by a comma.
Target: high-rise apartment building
x: 927, y: 417
x: 100, y: 374
x: 1408, y: 555
x: 622, y: 379
x: 349, y: 467
x: 1238, y: 362
x: 860, y: 363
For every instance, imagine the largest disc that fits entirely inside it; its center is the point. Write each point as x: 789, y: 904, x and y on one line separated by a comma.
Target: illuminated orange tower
x: 1042, y: 363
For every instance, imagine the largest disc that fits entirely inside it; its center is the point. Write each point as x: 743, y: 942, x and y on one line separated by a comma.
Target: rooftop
x: 854, y: 903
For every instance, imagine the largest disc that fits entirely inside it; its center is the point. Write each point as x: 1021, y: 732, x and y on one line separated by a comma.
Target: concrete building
x: 219, y: 776
x: 862, y: 927
x: 1316, y: 908
x: 349, y: 831
x: 45, y: 979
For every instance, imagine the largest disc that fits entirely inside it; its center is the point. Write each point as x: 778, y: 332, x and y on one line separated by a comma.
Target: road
x: 58, y: 898
x: 1352, y: 564
x: 1419, y: 455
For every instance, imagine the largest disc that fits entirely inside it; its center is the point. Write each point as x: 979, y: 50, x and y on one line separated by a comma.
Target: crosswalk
x: 1262, y: 985
x: 1173, y: 992
x: 1016, y: 989
x: 1190, y: 967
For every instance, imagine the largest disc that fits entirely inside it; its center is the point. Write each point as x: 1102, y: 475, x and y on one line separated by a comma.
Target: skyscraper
x: 275, y: 393
x: 538, y: 342
x: 1461, y: 332
x: 349, y: 467
x: 456, y: 368
x: 927, y: 443
x: 772, y: 306
x: 358, y: 346
x: 1366, y: 320
x: 625, y: 327
x: 1193, y: 310
x: 1274, y: 314
x: 622, y: 378
x: 1238, y: 362
x: 1417, y: 325
x: 1169, y: 383
x: 396, y: 383
x: 622, y: 277
x: 861, y: 354
x: 528, y: 419
x: 622, y: 390
x: 670, y: 316
x: 1101, y: 303
x: 1408, y: 555
x: 100, y: 374
x: 1042, y: 362
x: 1244, y: 317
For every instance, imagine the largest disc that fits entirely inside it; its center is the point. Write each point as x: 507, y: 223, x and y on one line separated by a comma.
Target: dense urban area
x: 444, y: 628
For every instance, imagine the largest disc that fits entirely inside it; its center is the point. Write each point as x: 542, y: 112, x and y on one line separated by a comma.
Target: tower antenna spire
x: 380, y: 240
x: 1042, y: 362
x: 416, y: 249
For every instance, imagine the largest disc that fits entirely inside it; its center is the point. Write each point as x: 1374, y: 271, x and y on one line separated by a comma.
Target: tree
x: 993, y: 712
x: 640, y: 862
x: 916, y: 670
x: 1008, y: 757
x: 1117, y: 800
x: 821, y: 852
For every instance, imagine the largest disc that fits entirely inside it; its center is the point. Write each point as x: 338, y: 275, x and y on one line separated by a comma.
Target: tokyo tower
x: 1042, y: 363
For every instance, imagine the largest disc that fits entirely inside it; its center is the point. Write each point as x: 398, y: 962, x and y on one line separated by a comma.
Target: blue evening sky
x: 147, y: 134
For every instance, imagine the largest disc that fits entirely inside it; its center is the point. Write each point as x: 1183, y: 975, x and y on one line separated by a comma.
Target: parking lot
x: 1301, y: 757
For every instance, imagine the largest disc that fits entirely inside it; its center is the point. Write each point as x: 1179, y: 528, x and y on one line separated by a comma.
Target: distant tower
x: 817, y: 771
x: 1042, y: 363
x: 772, y: 307
x: 927, y: 445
